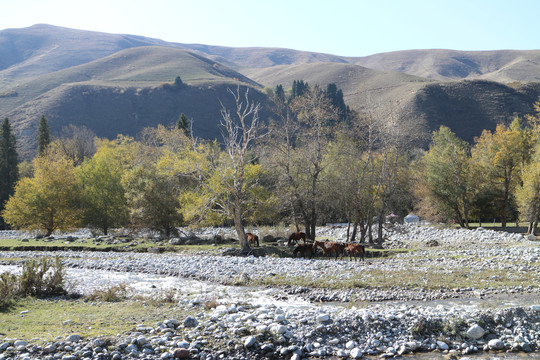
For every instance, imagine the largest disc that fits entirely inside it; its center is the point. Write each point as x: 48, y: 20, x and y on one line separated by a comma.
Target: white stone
x: 323, y: 317
x: 250, y: 341
x: 496, y: 344
x: 442, y: 345
x: 350, y: 345
x: 356, y: 353
x: 476, y: 331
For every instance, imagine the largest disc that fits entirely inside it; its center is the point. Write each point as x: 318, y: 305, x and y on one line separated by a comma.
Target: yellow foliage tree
x: 501, y: 155
x: 47, y: 201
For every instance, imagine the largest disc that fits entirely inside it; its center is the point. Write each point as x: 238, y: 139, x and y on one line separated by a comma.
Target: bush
x: 39, y: 278
x: 42, y: 278
x: 8, y: 289
x: 114, y: 293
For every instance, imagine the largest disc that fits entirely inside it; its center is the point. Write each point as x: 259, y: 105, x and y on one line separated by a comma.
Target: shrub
x: 42, y: 278
x: 8, y: 289
x: 112, y: 294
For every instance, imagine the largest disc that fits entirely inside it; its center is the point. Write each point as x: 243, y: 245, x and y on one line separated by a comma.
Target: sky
x: 339, y: 27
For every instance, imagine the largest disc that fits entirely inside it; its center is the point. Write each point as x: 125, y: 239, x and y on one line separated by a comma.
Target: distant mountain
x: 500, y: 65
x: 121, y: 83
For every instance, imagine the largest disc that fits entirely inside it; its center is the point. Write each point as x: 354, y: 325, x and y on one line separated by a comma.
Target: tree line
x: 315, y: 161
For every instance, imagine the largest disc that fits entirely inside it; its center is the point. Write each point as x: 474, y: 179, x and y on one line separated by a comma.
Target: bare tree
x: 240, y: 130
x: 77, y: 143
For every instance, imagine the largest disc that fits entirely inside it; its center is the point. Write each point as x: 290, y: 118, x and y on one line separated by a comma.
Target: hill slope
x: 121, y: 83
x: 123, y: 93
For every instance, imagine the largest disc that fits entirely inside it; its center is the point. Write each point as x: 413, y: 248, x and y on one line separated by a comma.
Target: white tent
x: 411, y: 219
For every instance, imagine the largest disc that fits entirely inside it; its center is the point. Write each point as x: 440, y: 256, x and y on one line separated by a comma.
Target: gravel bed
x: 242, y: 330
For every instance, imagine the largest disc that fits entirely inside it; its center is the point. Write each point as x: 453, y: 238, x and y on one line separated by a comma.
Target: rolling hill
x: 115, y: 83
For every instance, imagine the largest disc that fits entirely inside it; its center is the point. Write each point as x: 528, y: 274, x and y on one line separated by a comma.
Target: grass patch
x: 47, y: 319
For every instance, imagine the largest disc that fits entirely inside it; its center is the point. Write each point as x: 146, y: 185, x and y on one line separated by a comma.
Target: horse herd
x: 327, y: 247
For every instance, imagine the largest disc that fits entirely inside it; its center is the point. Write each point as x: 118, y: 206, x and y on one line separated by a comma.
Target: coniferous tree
x: 44, y: 137
x: 183, y: 123
x: 280, y: 93
x: 335, y: 96
x: 9, y: 171
x: 299, y: 88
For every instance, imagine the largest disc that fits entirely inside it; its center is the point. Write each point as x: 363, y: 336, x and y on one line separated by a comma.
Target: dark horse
x: 296, y: 237
x: 304, y: 249
x: 252, y: 239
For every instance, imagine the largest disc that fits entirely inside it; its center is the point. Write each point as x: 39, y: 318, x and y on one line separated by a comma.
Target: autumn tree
x: 153, y: 191
x: 50, y: 200
x: 528, y: 194
x: 8, y: 165
x: 228, y: 179
x: 296, y: 150
x: 104, y: 201
x: 500, y: 155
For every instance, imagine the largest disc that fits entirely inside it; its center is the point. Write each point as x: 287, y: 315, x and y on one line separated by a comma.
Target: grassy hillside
x: 114, y: 83
x: 42, y: 49
x: 123, y: 93
x: 500, y: 65
x: 112, y: 110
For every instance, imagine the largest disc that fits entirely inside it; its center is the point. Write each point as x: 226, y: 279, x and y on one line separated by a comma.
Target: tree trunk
x: 363, y: 230
x: 370, y: 232
x: 240, y: 232
x: 355, y: 229
x: 380, y: 229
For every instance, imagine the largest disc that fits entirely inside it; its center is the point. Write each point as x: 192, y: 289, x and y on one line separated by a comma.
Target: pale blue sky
x: 341, y: 27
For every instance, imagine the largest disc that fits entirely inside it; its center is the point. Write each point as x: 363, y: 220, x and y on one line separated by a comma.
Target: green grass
x: 47, y: 319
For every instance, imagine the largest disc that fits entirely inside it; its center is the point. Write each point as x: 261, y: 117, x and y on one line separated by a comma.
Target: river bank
x: 496, y: 312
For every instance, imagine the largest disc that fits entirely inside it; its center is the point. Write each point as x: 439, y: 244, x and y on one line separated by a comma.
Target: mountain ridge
x: 45, y: 68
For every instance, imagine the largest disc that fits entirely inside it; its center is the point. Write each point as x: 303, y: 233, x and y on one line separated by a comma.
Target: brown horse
x: 304, y: 249
x: 252, y: 239
x: 356, y: 249
x: 296, y: 237
x: 330, y: 247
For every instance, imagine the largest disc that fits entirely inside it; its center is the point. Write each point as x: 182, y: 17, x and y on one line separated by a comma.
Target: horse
x: 252, y: 239
x: 304, y: 249
x: 329, y: 247
x: 357, y: 249
x: 296, y: 236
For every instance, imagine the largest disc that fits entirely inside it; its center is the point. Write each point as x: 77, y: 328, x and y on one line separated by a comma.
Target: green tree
x: 295, y: 152
x: 335, y: 96
x: 178, y: 82
x: 299, y: 88
x: 9, y: 171
x: 447, y: 175
x: 279, y: 93
x: 48, y: 201
x: 183, y: 124
x: 104, y: 201
x: 43, y: 137
x: 153, y: 199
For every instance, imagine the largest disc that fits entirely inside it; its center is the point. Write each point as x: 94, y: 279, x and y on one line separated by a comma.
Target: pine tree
x: 183, y: 123
x: 44, y: 137
x: 280, y: 93
x: 9, y: 171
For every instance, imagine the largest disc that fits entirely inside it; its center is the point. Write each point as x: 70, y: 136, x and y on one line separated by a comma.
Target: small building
x: 411, y: 219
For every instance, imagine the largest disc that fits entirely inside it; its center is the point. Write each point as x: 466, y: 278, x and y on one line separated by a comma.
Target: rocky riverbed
x: 354, y: 322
